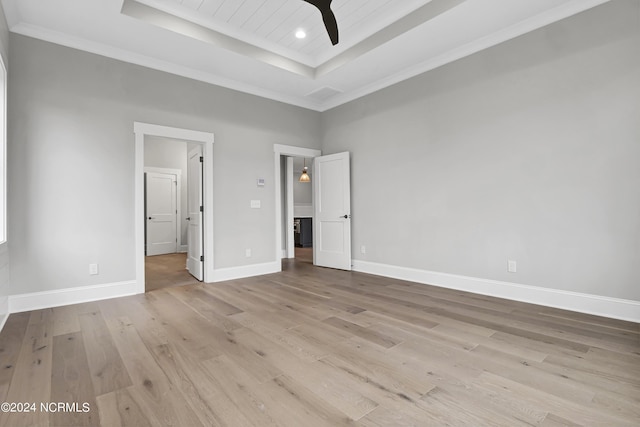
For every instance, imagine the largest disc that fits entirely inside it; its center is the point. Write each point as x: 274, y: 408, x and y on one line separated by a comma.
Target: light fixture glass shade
x: 305, y: 176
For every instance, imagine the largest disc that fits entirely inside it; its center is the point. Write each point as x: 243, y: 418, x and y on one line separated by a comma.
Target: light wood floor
x: 318, y: 347
x: 163, y: 271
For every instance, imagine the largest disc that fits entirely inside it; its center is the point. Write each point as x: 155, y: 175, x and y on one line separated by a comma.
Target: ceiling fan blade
x: 329, y: 19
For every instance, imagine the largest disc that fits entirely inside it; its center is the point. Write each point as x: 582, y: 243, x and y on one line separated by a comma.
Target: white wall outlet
x: 363, y: 249
x: 255, y: 204
x: 247, y: 253
x: 93, y: 269
x: 511, y: 266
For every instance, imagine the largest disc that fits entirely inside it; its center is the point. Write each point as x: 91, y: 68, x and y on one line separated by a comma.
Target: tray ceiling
x: 250, y: 45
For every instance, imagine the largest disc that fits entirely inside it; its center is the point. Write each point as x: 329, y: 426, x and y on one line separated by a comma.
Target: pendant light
x: 305, y: 176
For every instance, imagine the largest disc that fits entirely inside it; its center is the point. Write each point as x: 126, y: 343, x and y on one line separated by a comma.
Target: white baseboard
x: 584, y: 303
x: 59, y: 297
x: 231, y: 273
x: 4, y: 311
x: 183, y: 249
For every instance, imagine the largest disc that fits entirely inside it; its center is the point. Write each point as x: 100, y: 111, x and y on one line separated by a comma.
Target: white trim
x: 290, y: 250
x: 584, y: 303
x: 178, y: 175
x: 167, y: 171
x: 232, y: 273
x: 171, y: 132
x: 528, y: 25
x: 207, y: 140
x: 563, y: 11
x: 74, y: 42
x: 4, y: 308
x: 3, y: 153
x: 285, y: 150
x: 59, y: 297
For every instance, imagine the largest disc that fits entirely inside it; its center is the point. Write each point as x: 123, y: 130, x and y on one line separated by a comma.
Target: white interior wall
x: 71, y: 152
x: 528, y: 151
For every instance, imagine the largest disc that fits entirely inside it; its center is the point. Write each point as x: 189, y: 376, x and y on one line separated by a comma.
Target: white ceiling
x: 249, y: 45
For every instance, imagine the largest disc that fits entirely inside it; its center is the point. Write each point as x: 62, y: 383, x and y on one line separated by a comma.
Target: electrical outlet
x: 93, y: 269
x: 511, y: 266
x: 363, y: 249
x: 247, y: 253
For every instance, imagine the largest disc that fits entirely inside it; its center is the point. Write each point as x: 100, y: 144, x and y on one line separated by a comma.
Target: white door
x: 162, y: 215
x: 195, y: 260
x: 332, y: 208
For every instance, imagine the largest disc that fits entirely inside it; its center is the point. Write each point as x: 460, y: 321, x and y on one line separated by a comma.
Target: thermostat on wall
x: 260, y: 182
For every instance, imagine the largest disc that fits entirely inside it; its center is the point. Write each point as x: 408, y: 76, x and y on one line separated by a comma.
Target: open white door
x: 195, y: 259
x: 332, y: 208
x: 161, y: 219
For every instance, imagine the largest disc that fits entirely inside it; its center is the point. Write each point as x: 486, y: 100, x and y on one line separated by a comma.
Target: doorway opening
x: 299, y: 203
x: 173, y: 184
x: 331, y: 202
x: 158, y: 149
x: 286, y: 178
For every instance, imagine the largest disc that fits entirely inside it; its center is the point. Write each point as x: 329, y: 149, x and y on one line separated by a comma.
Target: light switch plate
x: 255, y: 204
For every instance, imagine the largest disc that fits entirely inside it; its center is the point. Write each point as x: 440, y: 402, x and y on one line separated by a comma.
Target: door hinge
x: 201, y: 257
x: 201, y: 208
x: 201, y: 159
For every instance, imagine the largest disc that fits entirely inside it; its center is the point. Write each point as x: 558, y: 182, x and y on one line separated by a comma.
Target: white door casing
x: 291, y: 250
x: 195, y: 263
x: 332, y: 211
x: 206, y: 140
x: 161, y: 213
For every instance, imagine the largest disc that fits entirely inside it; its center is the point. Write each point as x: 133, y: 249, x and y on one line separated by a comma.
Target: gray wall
x: 71, y: 162
x: 170, y: 154
x: 528, y: 151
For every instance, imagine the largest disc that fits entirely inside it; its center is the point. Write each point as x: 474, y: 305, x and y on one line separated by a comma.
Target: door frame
x: 206, y: 139
x: 293, y: 151
x: 178, y: 175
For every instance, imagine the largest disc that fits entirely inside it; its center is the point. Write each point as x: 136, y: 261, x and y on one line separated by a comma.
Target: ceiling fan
x: 324, y: 6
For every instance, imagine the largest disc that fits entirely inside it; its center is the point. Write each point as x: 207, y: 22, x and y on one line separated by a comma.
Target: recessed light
x: 300, y: 34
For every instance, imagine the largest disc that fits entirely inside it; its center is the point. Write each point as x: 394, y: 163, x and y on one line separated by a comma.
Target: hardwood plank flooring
x: 163, y: 271
x: 319, y: 347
